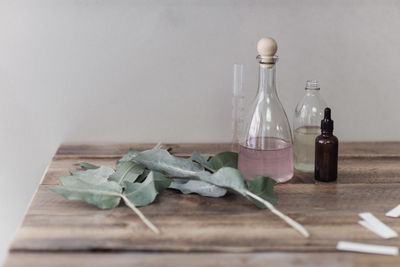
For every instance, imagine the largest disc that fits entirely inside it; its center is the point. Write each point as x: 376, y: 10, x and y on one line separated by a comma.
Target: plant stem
x: 140, y: 214
x: 287, y: 219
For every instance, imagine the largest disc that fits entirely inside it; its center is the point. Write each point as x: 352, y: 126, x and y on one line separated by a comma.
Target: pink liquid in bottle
x: 275, y: 160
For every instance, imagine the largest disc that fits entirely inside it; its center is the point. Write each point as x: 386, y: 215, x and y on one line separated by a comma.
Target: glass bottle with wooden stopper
x: 326, y: 151
x: 266, y: 147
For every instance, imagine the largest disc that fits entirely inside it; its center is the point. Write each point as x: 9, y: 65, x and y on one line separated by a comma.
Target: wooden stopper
x: 267, y: 47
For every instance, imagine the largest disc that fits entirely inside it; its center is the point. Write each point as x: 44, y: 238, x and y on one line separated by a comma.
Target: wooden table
x: 200, y: 231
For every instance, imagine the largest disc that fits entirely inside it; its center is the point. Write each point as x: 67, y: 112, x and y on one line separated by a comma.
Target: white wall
x: 148, y: 71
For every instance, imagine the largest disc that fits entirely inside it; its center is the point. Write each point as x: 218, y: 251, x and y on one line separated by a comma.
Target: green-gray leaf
x: 127, y: 171
x: 202, y: 160
x: 88, y: 166
x: 198, y: 187
x: 224, y: 159
x: 128, y: 156
x: 160, y: 160
x: 92, y: 176
x: 226, y: 177
x: 105, y: 195
x: 142, y: 194
x: 143, y: 176
x: 263, y: 187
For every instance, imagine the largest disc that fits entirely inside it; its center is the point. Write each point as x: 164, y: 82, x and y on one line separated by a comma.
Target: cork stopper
x: 267, y: 47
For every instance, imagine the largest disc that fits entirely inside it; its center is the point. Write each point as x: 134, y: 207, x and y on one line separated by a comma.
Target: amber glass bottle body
x: 326, y: 157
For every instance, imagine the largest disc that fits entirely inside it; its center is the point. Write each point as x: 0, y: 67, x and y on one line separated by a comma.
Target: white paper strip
x: 395, y: 212
x: 367, y: 248
x: 371, y: 228
x: 376, y: 226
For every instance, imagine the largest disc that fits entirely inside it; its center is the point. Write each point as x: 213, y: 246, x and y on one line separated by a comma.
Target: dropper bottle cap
x: 327, y: 122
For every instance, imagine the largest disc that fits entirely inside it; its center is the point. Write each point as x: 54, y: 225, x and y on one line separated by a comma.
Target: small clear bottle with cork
x: 306, y: 124
x: 266, y: 147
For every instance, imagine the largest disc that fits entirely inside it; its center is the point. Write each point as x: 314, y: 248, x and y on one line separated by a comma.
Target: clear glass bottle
x: 266, y: 147
x: 306, y: 124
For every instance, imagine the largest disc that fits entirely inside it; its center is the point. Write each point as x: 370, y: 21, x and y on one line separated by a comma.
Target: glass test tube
x: 237, y: 106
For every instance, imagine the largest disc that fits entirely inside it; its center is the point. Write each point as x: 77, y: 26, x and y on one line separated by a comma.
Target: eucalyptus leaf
x: 105, y: 195
x: 263, y: 187
x: 202, y: 160
x: 142, y: 194
x: 143, y: 176
x: 128, y: 156
x: 198, y: 187
x: 127, y: 171
x: 160, y: 160
x: 226, y: 177
x: 88, y: 166
x: 71, y: 180
x: 224, y: 159
x: 94, y: 176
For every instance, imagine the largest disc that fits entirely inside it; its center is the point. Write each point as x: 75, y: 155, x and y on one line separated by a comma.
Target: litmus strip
x: 371, y: 228
x: 395, y: 212
x: 367, y: 248
x: 378, y: 227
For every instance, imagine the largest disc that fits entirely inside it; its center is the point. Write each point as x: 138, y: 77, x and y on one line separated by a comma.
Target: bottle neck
x: 266, y: 84
x: 326, y: 133
x: 312, y: 92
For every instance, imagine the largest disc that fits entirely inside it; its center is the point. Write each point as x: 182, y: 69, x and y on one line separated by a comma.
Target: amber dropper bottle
x: 326, y: 151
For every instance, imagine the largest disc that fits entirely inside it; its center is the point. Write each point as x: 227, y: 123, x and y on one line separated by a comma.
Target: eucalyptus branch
x: 141, y: 176
x: 284, y: 217
x: 140, y: 214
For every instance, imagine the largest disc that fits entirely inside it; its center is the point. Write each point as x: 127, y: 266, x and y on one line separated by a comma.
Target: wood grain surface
x: 125, y: 259
x: 208, y: 231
